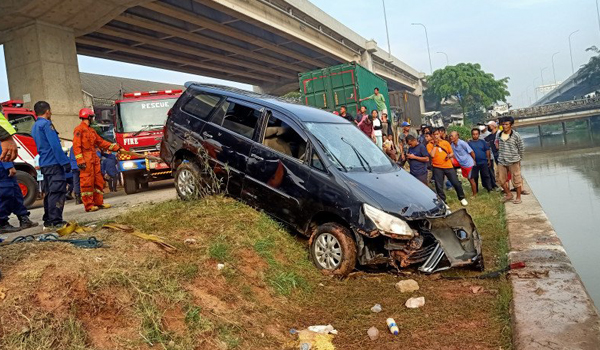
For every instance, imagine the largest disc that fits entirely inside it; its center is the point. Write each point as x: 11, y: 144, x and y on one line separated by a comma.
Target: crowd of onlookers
x: 489, y: 159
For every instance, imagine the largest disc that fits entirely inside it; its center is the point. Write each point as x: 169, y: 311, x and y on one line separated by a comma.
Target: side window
x: 316, y: 162
x: 201, y: 105
x: 282, y: 138
x: 238, y: 118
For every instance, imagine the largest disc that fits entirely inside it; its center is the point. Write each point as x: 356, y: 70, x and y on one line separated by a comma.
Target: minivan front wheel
x: 188, y: 181
x: 333, y: 249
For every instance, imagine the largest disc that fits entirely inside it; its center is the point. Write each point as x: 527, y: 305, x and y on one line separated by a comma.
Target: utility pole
x: 553, y: 69
x: 542, y: 74
x: 387, y: 32
x: 428, y: 50
x: 535, y: 89
x: 571, y: 52
x: 445, y: 54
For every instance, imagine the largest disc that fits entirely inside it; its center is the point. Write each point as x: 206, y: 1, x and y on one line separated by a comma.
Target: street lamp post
x: 535, y: 89
x: 426, y: 38
x: 598, y: 13
x: 387, y: 32
x: 553, y: 69
x: 445, y: 54
x: 571, y: 52
x: 542, y: 74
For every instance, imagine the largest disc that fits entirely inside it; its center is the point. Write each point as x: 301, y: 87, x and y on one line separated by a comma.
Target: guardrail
x: 555, y: 108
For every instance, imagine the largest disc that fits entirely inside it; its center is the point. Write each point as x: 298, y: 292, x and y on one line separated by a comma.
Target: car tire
x: 333, y: 249
x: 130, y: 183
x: 188, y: 181
x: 29, y: 187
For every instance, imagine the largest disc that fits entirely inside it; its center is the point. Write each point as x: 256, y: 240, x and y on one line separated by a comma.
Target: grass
x: 268, y: 285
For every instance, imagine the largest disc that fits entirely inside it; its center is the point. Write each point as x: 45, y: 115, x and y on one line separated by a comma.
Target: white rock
x: 220, y: 267
x: 189, y: 241
x: 373, y: 333
x: 415, y: 303
x: 323, y: 329
x: 407, y: 286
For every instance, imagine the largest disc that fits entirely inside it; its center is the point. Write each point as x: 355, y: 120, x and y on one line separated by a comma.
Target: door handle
x: 260, y: 159
x: 207, y: 135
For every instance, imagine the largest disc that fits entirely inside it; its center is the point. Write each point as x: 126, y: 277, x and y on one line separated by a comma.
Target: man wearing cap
x: 491, y: 141
x: 402, y: 144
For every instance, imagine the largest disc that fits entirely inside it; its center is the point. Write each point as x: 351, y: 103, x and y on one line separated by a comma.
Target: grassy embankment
x: 133, y: 295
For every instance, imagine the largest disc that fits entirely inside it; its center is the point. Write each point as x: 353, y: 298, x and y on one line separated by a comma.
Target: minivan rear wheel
x: 188, y: 180
x: 333, y: 249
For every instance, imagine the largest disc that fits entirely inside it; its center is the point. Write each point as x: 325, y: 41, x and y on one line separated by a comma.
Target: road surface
x: 158, y: 192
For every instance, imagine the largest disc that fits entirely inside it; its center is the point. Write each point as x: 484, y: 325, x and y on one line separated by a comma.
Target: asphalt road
x: 158, y: 192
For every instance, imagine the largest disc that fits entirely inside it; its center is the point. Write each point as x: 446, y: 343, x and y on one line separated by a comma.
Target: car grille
x: 149, y: 149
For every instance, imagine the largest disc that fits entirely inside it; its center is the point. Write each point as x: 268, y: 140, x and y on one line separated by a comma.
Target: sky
x: 509, y: 38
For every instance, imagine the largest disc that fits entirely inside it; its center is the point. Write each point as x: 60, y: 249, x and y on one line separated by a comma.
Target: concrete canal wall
x: 551, y: 308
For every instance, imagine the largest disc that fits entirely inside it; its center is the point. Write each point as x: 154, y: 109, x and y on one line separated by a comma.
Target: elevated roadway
x: 265, y: 43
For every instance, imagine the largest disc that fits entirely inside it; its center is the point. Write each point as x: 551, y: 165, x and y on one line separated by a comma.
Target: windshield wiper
x: 146, y: 128
x: 333, y: 155
x: 361, y: 158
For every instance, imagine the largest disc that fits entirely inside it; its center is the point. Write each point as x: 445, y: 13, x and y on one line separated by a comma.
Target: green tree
x: 473, y: 88
x: 590, y: 73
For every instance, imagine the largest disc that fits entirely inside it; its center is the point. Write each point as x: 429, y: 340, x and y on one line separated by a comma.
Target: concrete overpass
x: 265, y: 43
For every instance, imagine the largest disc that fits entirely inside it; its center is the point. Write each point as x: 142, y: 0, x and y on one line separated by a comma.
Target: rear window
x: 201, y: 105
x: 21, y: 122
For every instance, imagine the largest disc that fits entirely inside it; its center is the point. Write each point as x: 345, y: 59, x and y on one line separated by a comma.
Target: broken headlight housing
x: 390, y: 225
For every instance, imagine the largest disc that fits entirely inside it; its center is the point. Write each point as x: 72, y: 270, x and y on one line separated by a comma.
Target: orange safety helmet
x: 86, y: 113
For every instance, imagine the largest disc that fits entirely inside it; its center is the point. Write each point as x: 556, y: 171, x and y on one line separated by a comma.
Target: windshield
x: 349, y: 149
x: 22, y: 122
x: 147, y: 115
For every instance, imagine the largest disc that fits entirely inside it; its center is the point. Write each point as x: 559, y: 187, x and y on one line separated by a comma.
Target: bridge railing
x: 555, y: 108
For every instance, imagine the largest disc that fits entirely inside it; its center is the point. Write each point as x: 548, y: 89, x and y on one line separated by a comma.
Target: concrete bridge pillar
x: 366, y: 59
x: 41, y: 64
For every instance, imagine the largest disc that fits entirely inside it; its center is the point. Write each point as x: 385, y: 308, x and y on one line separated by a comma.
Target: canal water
x: 564, y: 172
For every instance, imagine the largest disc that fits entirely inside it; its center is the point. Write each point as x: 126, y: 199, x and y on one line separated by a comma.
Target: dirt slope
x: 134, y: 295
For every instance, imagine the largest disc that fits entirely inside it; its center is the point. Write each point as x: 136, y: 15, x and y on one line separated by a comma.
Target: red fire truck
x: 22, y: 119
x: 139, y: 121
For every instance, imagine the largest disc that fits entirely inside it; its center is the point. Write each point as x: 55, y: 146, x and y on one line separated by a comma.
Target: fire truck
x: 139, y: 121
x: 22, y: 119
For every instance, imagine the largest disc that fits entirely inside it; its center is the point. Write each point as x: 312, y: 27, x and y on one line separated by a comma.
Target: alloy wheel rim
x: 328, y: 251
x: 186, y: 183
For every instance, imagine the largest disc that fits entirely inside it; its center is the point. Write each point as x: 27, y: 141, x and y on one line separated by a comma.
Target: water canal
x: 564, y: 173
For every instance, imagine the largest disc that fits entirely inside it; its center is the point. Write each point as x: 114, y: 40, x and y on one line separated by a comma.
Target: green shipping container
x: 332, y: 87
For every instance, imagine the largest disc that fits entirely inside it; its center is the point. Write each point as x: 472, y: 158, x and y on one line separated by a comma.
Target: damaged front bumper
x: 439, y: 243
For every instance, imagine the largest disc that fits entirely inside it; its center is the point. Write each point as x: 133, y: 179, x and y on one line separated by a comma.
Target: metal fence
x: 555, y: 108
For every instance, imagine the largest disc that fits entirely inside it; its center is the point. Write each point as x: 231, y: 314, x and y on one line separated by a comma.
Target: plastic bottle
x: 392, y: 326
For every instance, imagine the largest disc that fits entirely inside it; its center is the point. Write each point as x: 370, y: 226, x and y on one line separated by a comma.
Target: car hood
x: 397, y: 192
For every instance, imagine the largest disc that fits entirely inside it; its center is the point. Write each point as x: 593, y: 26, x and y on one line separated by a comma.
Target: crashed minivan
x: 318, y: 174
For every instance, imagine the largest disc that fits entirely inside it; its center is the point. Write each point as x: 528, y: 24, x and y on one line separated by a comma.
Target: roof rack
x: 243, y: 92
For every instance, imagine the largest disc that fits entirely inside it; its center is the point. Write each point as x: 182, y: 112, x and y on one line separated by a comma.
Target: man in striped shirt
x: 510, y: 153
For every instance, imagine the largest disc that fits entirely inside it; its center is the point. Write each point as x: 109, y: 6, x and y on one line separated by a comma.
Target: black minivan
x: 318, y: 174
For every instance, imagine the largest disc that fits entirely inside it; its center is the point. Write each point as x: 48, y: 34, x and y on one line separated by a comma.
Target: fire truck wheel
x: 131, y: 184
x: 29, y: 187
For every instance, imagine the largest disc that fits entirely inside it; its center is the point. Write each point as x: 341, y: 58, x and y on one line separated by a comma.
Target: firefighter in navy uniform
x: 85, y: 143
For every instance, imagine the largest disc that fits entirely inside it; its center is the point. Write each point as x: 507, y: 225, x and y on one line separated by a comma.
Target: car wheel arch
x: 180, y: 156
x: 323, y: 217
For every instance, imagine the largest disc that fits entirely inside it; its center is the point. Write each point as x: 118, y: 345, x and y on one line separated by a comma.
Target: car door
x: 276, y: 172
x: 228, y: 138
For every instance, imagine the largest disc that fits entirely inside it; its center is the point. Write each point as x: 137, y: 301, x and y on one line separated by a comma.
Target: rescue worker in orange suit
x: 85, y: 143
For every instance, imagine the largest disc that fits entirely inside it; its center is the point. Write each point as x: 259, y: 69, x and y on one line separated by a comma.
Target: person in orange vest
x: 85, y: 143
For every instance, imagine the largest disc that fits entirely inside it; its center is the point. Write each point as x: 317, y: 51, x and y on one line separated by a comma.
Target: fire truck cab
x: 22, y: 119
x: 139, y: 121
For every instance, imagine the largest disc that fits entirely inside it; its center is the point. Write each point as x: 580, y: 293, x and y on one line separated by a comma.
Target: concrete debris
x: 376, y: 308
x: 533, y: 274
x: 415, y: 303
x: 476, y: 289
x: 373, y: 333
x: 323, y: 329
x: 220, y: 267
x: 407, y: 286
x: 540, y: 291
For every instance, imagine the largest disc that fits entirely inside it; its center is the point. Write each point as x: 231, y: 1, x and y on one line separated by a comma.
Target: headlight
x: 390, y: 225
x: 129, y: 165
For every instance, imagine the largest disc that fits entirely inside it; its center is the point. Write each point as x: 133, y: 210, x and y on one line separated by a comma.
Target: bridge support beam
x: 564, y: 127
x: 41, y: 64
